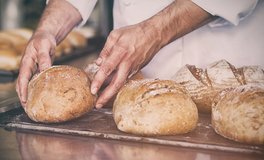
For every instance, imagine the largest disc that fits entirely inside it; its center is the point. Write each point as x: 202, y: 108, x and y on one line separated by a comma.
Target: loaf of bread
x: 4, y: 44
x: 154, y: 107
x: 205, y: 85
x: 87, y: 32
x: 239, y: 114
x: 17, y: 39
x: 18, y: 42
x: 24, y: 32
x: 73, y: 40
x: 76, y: 39
x: 9, y: 60
x: 59, y: 94
x: 196, y: 82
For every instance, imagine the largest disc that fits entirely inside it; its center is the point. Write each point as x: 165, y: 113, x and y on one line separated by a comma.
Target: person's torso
x: 240, y: 45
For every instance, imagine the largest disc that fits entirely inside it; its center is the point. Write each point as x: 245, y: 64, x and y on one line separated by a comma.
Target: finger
x: 107, y: 67
x: 27, y: 68
x: 118, y: 81
x: 44, y: 52
x: 110, y: 42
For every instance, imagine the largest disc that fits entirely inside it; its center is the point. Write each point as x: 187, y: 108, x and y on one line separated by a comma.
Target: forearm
x: 176, y: 20
x: 58, y: 19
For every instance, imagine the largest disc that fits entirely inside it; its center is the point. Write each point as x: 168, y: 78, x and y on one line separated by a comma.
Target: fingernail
x: 99, y: 61
x: 98, y: 105
x: 93, y: 90
x: 23, y: 99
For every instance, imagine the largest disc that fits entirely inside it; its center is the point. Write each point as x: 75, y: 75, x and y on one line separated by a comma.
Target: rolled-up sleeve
x: 85, y: 8
x: 232, y: 11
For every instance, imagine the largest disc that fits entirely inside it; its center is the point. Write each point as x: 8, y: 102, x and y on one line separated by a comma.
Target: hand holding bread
x: 59, y: 94
x: 37, y: 57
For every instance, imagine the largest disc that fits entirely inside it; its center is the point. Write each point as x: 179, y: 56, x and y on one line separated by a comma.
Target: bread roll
x: 154, y: 107
x: 9, y: 60
x: 239, y: 115
x: 58, y: 94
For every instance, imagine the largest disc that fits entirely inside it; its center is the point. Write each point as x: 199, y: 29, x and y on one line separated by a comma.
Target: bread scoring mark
x: 155, y: 88
x: 236, y: 73
x: 70, y: 94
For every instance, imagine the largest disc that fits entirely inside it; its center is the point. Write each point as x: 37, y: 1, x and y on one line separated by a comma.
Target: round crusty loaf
x: 239, y: 114
x: 58, y: 94
x: 198, y: 85
x: 205, y: 85
x: 154, y: 107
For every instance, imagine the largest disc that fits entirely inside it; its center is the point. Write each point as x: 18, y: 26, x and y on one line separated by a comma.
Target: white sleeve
x: 231, y: 11
x: 85, y: 7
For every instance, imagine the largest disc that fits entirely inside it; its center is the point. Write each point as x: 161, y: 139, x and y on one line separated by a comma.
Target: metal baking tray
x: 100, y: 124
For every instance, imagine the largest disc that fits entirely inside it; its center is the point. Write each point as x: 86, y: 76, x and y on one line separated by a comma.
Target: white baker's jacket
x: 237, y: 35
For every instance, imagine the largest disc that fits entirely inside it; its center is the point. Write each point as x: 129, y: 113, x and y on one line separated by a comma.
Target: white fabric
x: 85, y: 7
x: 230, y: 10
x: 237, y: 36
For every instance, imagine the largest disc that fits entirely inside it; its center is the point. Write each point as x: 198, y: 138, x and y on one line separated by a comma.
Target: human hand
x: 37, y: 57
x: 125, y: 52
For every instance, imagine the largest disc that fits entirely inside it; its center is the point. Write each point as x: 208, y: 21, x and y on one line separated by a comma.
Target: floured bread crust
x: 154, y: 107
x: 239, y: 114
x: 205, y: 85
x: 196, y: 82
x: 58, y: 94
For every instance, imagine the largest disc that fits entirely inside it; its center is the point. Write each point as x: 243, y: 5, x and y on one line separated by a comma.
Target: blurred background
x: 26, y: 14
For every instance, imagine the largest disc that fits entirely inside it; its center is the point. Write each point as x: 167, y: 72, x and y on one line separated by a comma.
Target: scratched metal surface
x: 100, y: 123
